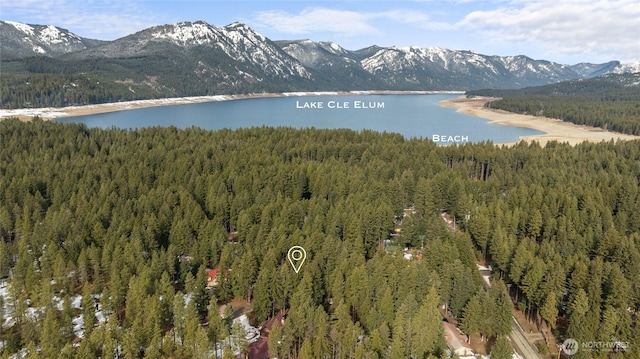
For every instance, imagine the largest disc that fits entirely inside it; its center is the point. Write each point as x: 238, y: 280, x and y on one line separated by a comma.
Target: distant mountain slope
x: 338, y: 67
x: 197, y: 58
x: 586, y: 70
x: 23, y: 40
x: 609, y: 101
x: 235, y: 45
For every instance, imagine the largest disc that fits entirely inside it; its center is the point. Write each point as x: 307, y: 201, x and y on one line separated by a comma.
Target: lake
x: 411, y: 115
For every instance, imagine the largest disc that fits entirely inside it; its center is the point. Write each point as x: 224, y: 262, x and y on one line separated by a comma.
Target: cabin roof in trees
x: 268, y: 325
x: 212, y: 277
x: 259, y: 349
x: 455, y: 341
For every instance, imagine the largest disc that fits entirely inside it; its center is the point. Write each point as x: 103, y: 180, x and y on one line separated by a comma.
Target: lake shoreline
x: 555, y: 129
x: 52, y: 113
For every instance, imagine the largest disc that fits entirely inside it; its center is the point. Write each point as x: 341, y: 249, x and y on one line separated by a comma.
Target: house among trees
x: 455, y: 341
x: 265, y: 329
x: 260, y: 348
x: 212, y: 278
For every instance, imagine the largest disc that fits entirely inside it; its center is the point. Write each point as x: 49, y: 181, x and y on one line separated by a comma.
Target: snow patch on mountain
x: 632, y: 67
x: 23, y: 40
x: 53, y: 35
x: 22, y: 27
x: 187, y: 33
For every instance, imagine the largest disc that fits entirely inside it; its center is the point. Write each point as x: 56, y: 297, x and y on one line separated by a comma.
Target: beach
x: 50, y: 113
x: 555, y: 130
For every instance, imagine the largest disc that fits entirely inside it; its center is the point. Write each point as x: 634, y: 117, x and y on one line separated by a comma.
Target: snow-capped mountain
x: 632, y: 67
x: 197, y: 58
x: 236, y: 46
x: 334, y: 63
x: 23, y: 40
x: 415, y: 68
x: 448, y: 69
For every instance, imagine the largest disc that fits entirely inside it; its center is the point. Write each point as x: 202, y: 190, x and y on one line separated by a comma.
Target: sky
x: 566, y: 32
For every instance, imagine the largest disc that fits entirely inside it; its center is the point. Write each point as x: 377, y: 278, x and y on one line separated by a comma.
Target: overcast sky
x: 567, y: 32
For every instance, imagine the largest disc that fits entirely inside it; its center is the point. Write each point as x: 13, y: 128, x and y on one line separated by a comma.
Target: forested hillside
x: 136, y: 217
x: 45, y: 82
x: 611, y: 102
x: 60, y: 90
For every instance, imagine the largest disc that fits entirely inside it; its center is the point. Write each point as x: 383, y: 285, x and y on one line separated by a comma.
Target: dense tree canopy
x: 135, y: 218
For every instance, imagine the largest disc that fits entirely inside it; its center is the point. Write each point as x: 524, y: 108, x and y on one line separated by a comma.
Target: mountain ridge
x: 23, y: 40
x: 198, y: 58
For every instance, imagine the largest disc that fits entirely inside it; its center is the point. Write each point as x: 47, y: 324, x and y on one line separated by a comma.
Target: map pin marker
x: 296, y: 256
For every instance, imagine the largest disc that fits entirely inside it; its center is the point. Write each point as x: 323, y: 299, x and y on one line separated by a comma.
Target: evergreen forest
x: 611, y: 102
x: 119, y: 227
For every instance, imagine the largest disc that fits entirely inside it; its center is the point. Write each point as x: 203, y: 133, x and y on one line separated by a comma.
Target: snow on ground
x: 7, y: 310
x: 78, y: 326
x: 320, y: 93
x: 76, y: 301
x: 487, y: 268
x: 56, y: 112
x: 78, y: 321
x: 253, y: 334
x: 187, y: 299
x: 35, y: 312
x: 21, y: 354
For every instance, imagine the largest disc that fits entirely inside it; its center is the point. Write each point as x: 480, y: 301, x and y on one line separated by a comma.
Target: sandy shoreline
x: 556, y: 130
x: 49, y: 113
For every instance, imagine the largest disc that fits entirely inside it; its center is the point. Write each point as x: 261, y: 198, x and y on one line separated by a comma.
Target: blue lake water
x: 413, y: 116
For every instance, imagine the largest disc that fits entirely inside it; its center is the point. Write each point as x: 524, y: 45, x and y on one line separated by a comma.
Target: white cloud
x: 609, y: 29
x: 316, y: 19
x: 344, y: 22
x: 93, y: 18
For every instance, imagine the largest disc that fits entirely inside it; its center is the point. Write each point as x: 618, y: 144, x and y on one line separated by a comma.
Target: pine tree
x: 501, y: 348
x: 191, y: 328
x: 262, y: 302
x: 200, y: 294
x: 503, y: 309
x: 470, y: 322
x: 479, y: 227
x: 321, y: 345
x: 306, y: 351
x: 398, y: 350
x: 239, y: 337
x: 427, y: 335
x: 215, y: 326
x: 178, y: 317
x: 52, y: 339
x: 88, y: 310
x: 580, y: 304
x: 228, y: 353
x: 549, y: 310
x: 275, y: 341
